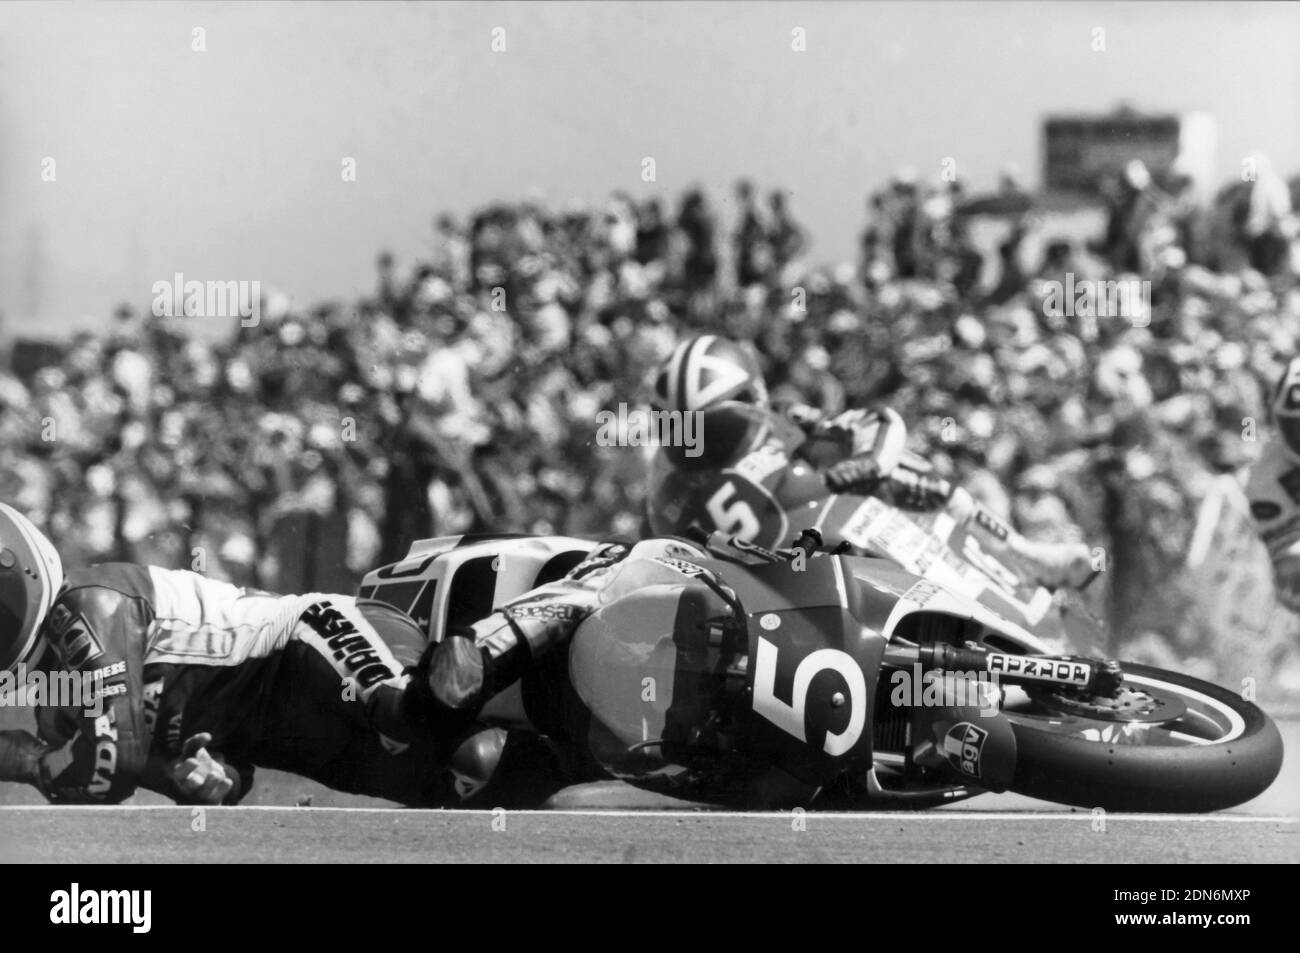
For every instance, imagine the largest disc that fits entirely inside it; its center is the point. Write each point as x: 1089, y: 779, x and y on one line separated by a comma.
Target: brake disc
x: 1126, y: 705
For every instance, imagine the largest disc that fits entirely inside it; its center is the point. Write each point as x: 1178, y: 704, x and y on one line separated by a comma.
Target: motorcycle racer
x: 196, y: 681
x: 780, y: 458
x: 1273, y: 489
x: 692, y: 730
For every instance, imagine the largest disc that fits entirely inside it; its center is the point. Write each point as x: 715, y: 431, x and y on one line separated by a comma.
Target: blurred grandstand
x: 462, y: 394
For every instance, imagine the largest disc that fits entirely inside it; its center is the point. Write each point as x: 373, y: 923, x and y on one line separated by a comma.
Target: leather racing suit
x: 313, y: 684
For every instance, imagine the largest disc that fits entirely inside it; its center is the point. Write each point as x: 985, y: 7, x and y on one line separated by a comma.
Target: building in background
x: 1082, y: 152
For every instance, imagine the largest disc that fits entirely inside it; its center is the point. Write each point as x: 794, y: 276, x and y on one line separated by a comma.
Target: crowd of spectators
x: 462, y: 395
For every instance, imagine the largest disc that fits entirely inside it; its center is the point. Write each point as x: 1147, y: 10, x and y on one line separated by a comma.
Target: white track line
x: 936, y: 815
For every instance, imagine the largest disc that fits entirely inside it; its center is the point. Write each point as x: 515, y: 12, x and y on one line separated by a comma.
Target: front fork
x: 1097, y: 676
x: 967, y: 740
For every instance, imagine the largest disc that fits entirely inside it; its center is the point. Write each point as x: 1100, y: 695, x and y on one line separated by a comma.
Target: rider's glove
x: 457, y: 673
x: 859, y: 426
x: 1056, y: 565
x: 917, y: 491
x: 602, y: 557
x: 201, y: 778
x: 20, y: 757
x: 855, y: 475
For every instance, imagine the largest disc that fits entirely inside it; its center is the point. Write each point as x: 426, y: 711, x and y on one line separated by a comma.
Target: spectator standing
x: 1267, y: 213
x: 753, y: 254
x: 788, y: 240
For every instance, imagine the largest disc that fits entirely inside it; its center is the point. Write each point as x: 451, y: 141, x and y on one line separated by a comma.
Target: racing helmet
x: 1286, y: 406
x: 705, y: 370
x: 31, y: 575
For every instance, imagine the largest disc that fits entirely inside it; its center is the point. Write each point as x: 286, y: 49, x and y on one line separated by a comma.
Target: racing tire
x: 1207, y: 776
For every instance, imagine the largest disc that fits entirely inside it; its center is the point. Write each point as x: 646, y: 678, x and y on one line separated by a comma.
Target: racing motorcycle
x: 750, y: 484
x: 840, y: 681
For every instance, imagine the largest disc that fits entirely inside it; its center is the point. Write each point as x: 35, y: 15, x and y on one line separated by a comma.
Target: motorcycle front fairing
x: 824, y: 703
x: 815, y: 654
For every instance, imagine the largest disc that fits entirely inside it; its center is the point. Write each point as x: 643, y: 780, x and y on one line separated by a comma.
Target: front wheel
x: 1215, y: 751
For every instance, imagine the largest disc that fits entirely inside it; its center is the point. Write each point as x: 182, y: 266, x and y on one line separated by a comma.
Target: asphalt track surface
x: 280, y: 827
x: 358, y: 835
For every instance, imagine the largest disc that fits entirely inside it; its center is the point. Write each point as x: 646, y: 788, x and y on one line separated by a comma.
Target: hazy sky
x: 226, y: 163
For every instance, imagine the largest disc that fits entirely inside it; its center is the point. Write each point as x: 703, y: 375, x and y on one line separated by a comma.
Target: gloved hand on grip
x: 20, y: 756
x: 199, y: 776
x: 855, y: 475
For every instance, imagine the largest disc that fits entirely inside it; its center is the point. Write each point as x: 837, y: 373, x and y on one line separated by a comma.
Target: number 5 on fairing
x: 790, y: 718
x: 738, y: 519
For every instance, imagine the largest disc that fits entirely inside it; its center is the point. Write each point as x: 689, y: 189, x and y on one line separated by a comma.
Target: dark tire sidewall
x: 1120, y: 777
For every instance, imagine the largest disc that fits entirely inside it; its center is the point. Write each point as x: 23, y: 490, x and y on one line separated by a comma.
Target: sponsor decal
x: 930, y: 553
x: 1047, y: 670
x: 921, y: 592
x: 991, y: 523
x: 351, y: 649
x: 763, y: 462
x: 108, y: 671
x: 174, y: 733
x: 73, y: 638
x: 859, y: 528
x: 547, y: 611
x: 101, y: 782
x: 151, y: 698
x: 963, y: 745
x: 683, y: 567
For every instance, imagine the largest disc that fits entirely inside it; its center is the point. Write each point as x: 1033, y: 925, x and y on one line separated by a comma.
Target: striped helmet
x: 704, y: 371
x: 31, y: 575
x: 1286, y: 406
